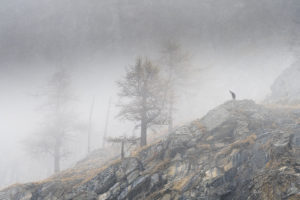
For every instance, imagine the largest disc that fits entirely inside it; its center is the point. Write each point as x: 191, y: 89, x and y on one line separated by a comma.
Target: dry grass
x: 210, y: 138
x: 93, y: 173
x: 274, y: 125
x: 160, y: 166
x: 204, y: 146
x: 237, y: 145
x: 172, y: 171
x: 11, y: 186
x: 138, y: 150
x: 180, y: 184
x: 268, y: 164
x: 248, y: 141
x: 153, y: 157
x: 200, y: 126
x: 89, y: 169
x: 157, y: 194
x: 294, y: 197
x: 266, y: 145
x: 79, y: 175
x: 272, y: 164
x: 154, y: 137
x: 228, y: 166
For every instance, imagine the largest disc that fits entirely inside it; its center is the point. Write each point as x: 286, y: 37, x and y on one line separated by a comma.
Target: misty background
x: 240, y: 45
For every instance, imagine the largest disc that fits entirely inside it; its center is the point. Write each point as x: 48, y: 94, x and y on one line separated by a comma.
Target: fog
x: 239, y: 45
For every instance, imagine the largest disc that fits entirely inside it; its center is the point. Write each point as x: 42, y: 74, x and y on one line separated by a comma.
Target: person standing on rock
x: 232, y: 95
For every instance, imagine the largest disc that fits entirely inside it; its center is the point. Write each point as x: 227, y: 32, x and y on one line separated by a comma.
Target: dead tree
x: 90, y: 125
x: 123, y: 140
x: 106, y: 123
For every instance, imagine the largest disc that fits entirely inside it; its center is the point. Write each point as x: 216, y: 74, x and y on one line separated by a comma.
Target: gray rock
x: 131, y: 177
x: 215, y: 118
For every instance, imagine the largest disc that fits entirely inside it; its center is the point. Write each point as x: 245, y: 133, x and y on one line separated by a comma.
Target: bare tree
x: 123, y: 140
x: 143, y: 94
x: 106, y: 123
x: 90, y: 125
x: 58, y: 126
x: 176, y: 67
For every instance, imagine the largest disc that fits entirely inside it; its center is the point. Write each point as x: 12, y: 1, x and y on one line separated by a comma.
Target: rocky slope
x: 239, y: 150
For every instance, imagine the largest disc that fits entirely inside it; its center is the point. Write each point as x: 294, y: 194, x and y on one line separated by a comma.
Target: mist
x: 238, y: 45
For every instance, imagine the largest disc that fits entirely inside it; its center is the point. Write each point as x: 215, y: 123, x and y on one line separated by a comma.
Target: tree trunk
x: 144, y: 117
x: 170, y: 118
x: 143, y: 133
x: 106, y: 124
x: 171, y: 100
x: 90, y: 126
x: 122, y: 150
x: 57, y: 157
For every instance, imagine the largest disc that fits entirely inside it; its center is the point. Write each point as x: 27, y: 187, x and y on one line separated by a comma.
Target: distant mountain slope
x: 286, y: 88
x: 239, y: 150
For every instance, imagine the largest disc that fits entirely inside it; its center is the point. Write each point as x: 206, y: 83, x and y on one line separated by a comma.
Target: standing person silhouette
x: 232, y: 95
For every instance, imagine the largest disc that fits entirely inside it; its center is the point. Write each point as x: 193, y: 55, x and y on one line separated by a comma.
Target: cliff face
x: 239, y: 150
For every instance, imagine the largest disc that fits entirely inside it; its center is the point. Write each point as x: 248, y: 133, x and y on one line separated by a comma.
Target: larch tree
x: 142, y: 93
x: 58, y: 126
x: 176, y: 68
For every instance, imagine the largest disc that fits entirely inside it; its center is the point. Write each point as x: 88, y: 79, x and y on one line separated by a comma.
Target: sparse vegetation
x: 240, y: 144
x: 140, y: 149
x: 161, y: 165
x: 204, y: 146
x: 180, y: 184
x: 200, y: 126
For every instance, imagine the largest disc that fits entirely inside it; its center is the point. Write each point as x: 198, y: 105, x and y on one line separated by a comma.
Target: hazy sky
x: 240, y: 45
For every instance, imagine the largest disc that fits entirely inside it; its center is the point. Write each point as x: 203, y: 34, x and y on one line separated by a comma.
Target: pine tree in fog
x: 142, y: 92
x: 56, y: 130
x: 177, y: 71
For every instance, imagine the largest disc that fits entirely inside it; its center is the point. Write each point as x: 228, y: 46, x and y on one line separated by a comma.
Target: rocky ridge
x: 239, y: 150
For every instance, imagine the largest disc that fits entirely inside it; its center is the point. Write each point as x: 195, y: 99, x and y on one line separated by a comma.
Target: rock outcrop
x: 286, y: 88
x: 239, y: 150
